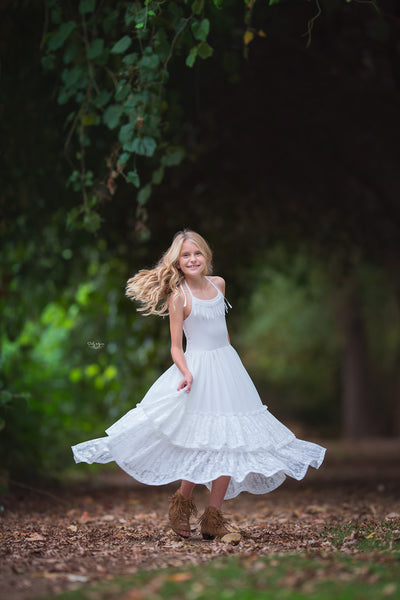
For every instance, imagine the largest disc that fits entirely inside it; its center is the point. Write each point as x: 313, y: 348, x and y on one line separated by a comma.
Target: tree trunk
x: 356, y: 418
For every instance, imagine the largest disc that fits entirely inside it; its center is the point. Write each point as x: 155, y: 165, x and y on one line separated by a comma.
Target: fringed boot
x: 180, y: 511
x: 213, y: 524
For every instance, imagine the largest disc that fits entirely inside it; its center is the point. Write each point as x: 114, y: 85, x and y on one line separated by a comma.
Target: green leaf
x: 103, y: 98
x: 72, y: 217
x: 112, y: 115
x: 57, y: 39
x: 122, y: 45
x: 149, y: 62
x: 204, y: 50
x: 161, y: 44
x: 271, y: 2
x: 95, y: 49
x: 158, y: 176
x: 140, y: 16
x: 144, y: 194
x: 201, y: 29
x: 130, y: 104
x: 122, y: 91
x: 130, y: 15
x: 126, y: 134
x: 75, y: 77
x: 86, y: 6
x: 110, y: 21
x: 198, y: 6
x: 133, y: 177
x: 144, y: 146
x: 90, y: 119
x: 64, y: 95
x: 130, y: 59
x: 48, y: 62
x: 173, y: 156
x: 123, y: 159
x: 176, y: 11
x: 191, y: 57
x: 71, y: 52
x: 92, y: 221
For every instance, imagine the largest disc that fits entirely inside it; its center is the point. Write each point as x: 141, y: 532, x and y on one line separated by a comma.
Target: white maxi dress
x: 220, y: 427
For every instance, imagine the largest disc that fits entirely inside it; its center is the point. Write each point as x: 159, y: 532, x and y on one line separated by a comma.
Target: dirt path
x: 113, y: 526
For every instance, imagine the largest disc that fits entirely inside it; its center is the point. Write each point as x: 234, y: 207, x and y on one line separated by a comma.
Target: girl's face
x: 191, y: 260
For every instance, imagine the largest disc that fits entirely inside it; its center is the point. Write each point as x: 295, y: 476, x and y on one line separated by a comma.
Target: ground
x: 55, y: 540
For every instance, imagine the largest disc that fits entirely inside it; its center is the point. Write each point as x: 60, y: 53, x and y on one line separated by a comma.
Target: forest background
x: 269, y: 127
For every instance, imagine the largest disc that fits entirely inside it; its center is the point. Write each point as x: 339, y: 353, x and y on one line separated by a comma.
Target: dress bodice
x: 205, y: 327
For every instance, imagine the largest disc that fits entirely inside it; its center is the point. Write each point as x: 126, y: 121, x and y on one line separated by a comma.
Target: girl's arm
x: 176, y: 315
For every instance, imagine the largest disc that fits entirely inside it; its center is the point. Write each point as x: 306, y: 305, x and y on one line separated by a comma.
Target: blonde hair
x: 153, y: 287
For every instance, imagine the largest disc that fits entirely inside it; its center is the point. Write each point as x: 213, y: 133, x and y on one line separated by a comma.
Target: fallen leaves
x: 118, y: 531
x: 232, y: 538
x: 179, y: 577
x: 35, y: 537
x: 393, y: 515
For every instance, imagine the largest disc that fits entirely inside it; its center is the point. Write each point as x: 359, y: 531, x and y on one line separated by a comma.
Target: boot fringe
x: 180, y: 511
x: 213, y: 524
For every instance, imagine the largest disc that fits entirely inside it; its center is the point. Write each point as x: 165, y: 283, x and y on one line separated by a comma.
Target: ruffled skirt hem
x: 257, y: 472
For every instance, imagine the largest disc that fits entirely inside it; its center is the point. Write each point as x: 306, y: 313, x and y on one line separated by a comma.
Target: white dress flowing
x: 220, y: 427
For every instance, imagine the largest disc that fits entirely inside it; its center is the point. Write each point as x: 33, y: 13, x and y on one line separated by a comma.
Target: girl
x: 202, y: 421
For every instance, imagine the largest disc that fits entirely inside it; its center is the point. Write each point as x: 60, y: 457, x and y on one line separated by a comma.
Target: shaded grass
x: 366, y: 536
x: 275, y: 577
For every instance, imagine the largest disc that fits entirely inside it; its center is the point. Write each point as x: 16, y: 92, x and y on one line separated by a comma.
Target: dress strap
x: 226, y: 302
x: 184, y: 294
x: 190, y: 291
x: 209, y: 281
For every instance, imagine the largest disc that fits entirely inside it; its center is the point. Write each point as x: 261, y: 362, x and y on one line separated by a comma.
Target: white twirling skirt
x: 220, y: 428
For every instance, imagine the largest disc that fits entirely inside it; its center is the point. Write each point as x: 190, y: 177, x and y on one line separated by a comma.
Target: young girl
x: 202, y: 421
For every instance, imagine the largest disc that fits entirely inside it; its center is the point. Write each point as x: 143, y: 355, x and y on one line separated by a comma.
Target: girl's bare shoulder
x: 219, y: 282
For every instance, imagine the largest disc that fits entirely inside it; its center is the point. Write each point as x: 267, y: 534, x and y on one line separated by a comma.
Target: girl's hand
x: 186, y: 383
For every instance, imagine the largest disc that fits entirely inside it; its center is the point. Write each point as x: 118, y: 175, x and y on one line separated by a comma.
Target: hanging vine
x: 114, y: 59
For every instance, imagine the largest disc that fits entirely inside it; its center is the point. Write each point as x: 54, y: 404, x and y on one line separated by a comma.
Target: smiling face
x: 192, y: 262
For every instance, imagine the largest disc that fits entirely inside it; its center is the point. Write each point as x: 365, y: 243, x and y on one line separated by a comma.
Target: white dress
x: 220, y: 427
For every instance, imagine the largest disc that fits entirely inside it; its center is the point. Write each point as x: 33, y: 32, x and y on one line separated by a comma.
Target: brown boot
x: 213, y: 523
x: 180, y: 511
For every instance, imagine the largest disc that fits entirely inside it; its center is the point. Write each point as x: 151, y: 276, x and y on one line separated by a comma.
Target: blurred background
x: 291, y: 172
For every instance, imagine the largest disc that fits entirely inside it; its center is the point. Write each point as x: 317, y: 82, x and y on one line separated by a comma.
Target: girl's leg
x: 218, y: 491
x: 186, y: 488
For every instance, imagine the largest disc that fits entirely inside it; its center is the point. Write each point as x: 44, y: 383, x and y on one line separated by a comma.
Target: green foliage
x: 114, y: 60
x: 290, y: 338
x: 293, y: 338
x: 87, y: 358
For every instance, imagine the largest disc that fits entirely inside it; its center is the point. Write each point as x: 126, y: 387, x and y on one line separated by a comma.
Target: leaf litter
x: 115, y: 526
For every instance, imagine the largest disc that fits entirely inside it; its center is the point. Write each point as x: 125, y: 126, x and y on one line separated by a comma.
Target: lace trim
x: 159, y: 463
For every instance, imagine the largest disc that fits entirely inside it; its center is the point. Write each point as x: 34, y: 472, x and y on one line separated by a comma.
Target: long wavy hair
x: 153, y: 287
